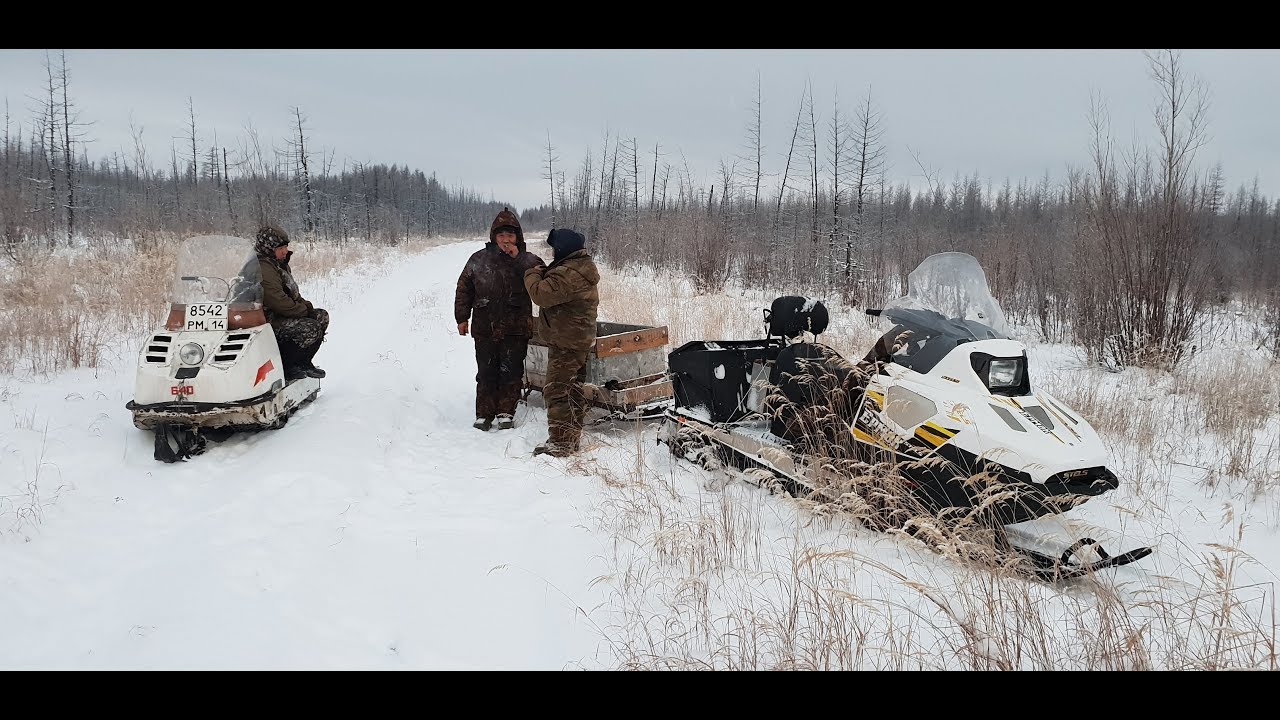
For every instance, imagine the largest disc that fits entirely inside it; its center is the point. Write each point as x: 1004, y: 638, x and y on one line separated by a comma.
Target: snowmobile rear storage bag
x: 791, y: 315
x: 716, y: 375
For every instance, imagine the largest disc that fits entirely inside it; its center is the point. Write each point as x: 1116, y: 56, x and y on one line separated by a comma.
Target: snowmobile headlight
x: 1004, y: 373
x: 191, y: 354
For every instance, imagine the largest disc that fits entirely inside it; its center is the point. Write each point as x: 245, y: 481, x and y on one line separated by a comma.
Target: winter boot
x: 294, y: 357
x: 506, y: 422
x: 553, y: 449
x: 482, y: 423
x: 305, y: 360
x: 556, y: 445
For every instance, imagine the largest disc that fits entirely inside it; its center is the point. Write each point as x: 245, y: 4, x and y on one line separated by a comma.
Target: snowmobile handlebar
x: 204, y: 278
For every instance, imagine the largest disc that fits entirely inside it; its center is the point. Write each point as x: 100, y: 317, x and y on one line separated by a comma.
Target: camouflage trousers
x: 499, y: 375
x: 563, y: 393
x: 300, y: 338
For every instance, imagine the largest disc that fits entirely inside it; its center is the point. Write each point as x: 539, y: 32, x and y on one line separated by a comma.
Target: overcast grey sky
x: 480, y: 118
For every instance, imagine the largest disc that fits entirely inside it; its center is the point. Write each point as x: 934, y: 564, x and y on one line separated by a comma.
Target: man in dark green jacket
x: 299, y: 326
x: 566, y: 294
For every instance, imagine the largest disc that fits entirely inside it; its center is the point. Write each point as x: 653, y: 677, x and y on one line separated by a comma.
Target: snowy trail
x: 376, y: 530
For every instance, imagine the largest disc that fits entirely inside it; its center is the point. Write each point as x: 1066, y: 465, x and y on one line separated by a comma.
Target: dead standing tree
x: 70, y: 121
x: 756, y: 144
x: 301, y: 160
x: 836, y: 150
x: 868, y: 173
x: 50, y: 118
x: 786, y: 172
x: 811, y: 132
x: 226, y: 186
x: 748, y: 232
x: 635, y: 190
x: 550, y: 176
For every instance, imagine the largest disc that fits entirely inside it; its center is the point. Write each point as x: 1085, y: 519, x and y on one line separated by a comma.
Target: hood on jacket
x: 564, y: 241
x: 506, y: 218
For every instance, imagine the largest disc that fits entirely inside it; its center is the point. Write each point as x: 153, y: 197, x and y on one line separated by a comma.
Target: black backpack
x: 791, y: 315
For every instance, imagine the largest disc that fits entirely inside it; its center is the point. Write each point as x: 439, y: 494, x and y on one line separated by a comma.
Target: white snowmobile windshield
x: 217, y: 269
x: 948, y: 294
x: 947, y: 304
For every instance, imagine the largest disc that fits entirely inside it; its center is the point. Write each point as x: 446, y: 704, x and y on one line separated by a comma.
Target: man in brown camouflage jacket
x: 492, y: 305
x: 567, y: 298
x: 299, y: 326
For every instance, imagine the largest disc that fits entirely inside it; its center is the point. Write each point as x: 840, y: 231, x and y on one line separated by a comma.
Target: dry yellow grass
x: 78, y: 309
x: 705, y: 579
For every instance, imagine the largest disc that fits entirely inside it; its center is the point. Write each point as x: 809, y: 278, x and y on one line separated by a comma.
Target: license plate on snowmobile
x: 206, y: 316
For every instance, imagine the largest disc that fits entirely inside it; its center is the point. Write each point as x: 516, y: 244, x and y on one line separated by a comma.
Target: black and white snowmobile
x: 945, y: 396
x: 214, y: 367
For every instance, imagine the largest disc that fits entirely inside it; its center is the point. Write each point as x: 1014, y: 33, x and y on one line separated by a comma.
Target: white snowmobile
x: 949, y: 399
x: 214, y: 367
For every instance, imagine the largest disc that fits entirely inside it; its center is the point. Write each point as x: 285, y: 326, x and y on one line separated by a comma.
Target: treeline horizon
x: 1122, y: 257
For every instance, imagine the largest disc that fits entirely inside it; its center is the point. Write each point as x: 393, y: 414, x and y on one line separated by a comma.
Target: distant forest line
x: 1123, y: 257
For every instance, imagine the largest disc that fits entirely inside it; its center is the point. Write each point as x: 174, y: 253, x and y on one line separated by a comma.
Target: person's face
x: 282, y: 252
x: 507, y: 242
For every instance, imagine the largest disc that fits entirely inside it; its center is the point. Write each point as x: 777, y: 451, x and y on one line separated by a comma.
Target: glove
x: 528, y: 260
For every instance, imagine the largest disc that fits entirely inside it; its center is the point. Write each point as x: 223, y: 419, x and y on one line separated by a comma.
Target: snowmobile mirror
x: 873, y: 312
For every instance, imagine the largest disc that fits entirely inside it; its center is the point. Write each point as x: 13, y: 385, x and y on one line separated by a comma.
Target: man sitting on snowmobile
x: 299, y: 326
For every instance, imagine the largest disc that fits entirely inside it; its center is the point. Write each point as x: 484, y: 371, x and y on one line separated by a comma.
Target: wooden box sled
x: 626, y: 369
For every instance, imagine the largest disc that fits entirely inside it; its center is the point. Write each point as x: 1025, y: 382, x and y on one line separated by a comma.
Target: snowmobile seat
x: 812, y: 375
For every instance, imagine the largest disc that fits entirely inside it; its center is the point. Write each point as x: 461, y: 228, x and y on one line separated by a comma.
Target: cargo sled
x: 626, y: 370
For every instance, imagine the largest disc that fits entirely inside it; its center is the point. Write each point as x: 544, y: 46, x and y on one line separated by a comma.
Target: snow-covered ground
x: 379, y: 530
